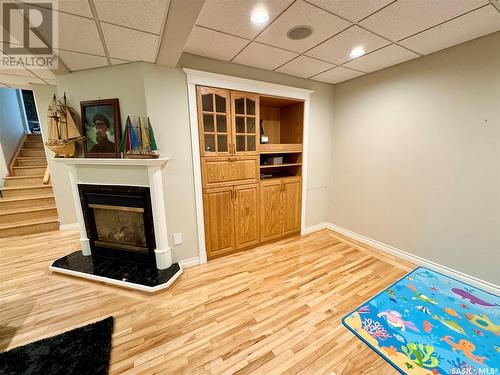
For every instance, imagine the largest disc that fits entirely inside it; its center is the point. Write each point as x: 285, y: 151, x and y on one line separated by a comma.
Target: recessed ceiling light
x: 259, y: 16
x: 299, y: 32
x: 356, y: 52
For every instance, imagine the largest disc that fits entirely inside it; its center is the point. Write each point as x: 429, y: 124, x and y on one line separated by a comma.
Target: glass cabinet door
x: 245, y: 123
x: 213, y: 121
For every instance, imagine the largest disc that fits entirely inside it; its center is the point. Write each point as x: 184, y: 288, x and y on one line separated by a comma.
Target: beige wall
x: 58, y: 175
x: 416, y: 157
x: 11, y: 127
x: 161, y: 93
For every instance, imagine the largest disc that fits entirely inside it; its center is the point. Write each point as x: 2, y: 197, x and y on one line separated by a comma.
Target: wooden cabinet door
x: 229, y: 170
x: 270, y: 209
x: 214, y: 120
x: 292, y: 202
x: 245, y: 123
x: 218, y: 211
x: 246, y: 203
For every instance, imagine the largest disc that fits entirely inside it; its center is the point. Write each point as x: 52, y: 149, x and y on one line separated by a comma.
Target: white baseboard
x: 485, y: 285
x: 191, y: 262
x: 70, y: 226
x: 314, y: 228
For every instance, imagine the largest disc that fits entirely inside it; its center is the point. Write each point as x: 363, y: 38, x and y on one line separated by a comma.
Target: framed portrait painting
x: 101, y: 128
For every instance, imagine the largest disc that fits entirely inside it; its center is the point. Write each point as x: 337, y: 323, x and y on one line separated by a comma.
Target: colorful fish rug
x: 428, y: 323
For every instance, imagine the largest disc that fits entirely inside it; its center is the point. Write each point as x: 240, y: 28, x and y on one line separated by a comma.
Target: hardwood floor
x: 275, y: 309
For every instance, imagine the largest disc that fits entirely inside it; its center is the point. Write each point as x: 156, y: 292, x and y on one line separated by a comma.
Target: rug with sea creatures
x: 428, y: 323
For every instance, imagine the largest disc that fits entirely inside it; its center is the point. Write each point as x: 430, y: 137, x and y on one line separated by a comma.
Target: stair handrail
x: 46, y: 176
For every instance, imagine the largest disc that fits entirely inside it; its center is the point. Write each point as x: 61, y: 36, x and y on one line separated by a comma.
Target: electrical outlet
x: 177, y: 238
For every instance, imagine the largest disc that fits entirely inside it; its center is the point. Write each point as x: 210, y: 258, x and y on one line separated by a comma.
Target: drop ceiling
x: 390, y: 31
x: 97, y: 33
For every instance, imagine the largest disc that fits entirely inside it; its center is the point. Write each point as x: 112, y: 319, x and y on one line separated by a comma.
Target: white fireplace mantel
x: 156, y: 187
x: 110, y: 161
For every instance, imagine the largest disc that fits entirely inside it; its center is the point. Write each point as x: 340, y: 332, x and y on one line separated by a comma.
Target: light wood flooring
x: 275, y: 309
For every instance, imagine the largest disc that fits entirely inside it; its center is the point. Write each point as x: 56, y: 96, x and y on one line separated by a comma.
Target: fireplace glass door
x: 120, y: 227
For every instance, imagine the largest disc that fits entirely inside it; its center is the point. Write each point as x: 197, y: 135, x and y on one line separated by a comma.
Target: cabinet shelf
x: 280, y: 148
x: 279, y: 165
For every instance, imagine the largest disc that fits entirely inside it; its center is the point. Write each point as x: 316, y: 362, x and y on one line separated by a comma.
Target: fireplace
x: 119, y: 221
x: 123, y: 228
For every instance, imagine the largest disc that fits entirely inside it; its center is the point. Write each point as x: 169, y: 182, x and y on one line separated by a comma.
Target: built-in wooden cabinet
x: 218, y: 171
x: 292, y: 203
x: 245, y: 112
x: 214, y: 121
x: 246, y: 209
x: 280, y: 207
x: 231, y: 216
x: 246, y: 199
x: 218, y: 210
x: 271, y: 203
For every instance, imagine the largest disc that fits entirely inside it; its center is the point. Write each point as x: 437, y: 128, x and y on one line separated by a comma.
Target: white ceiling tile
x: 79, y: 34
x: 352, y: 10
x: 214, y: 44
x: 300, y: 13
x: 78, y: 61
x: 262, y: 56
x: 17, y: 72
x: 19, y: 81
x: 382, y: 58
x: 337, y: 74
x: 78, y: 7
x: 147, y: 15
x: 44, y: 73
x: 233, y: 16
x: 469, y: 26
x: 118, y: 62
x: 337, y: 49
x: 304, y: 67
x: 407, y: 17
x: 51, y: 82
x: 128, y: 44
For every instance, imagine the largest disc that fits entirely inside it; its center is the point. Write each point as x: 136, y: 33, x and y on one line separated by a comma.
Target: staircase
x: 27, y: 205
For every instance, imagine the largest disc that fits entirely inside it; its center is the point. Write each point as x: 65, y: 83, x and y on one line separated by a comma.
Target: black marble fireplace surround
x: 120, y: 229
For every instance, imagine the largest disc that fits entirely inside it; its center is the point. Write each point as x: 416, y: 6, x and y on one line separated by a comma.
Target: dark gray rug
x: 81, y: 351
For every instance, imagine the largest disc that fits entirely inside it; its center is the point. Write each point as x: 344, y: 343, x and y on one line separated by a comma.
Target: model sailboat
x: 63, y: 132
x: 138, y: 141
